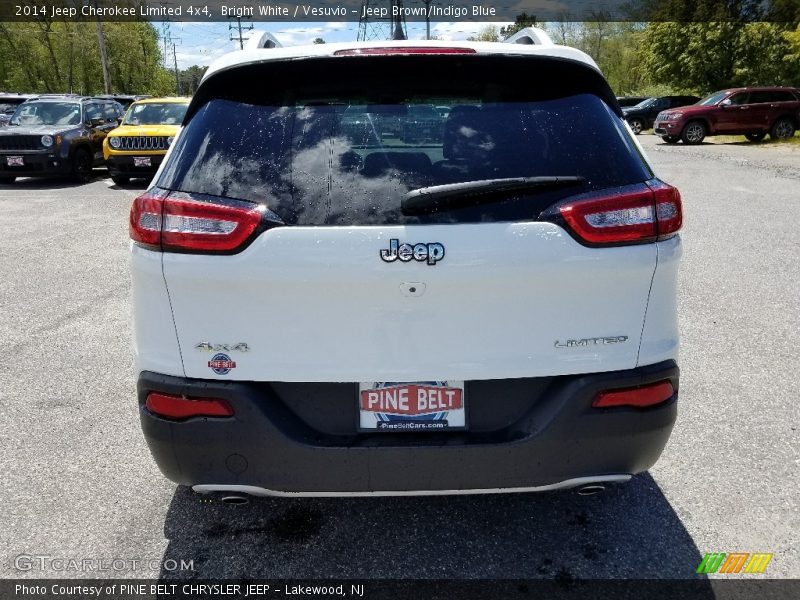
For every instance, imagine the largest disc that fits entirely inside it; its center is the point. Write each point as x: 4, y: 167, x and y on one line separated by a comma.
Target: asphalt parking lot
x: 78, y: 480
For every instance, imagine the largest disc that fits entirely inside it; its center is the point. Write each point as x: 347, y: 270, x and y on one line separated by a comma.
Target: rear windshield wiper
x: 437, y: 198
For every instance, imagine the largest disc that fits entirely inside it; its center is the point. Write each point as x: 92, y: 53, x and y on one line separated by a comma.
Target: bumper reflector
x: 178, y: 407
x: 639, y: 397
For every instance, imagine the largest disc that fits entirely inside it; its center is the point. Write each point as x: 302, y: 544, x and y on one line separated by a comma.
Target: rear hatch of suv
x: 302, y: 226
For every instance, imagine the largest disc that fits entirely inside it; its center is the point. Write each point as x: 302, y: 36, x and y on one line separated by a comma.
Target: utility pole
x: 377, y: 28
x: 239, y: 26
x: 399, y: 24
x: 177, y: 77
x: 427, y: 4
x: 101, y: 41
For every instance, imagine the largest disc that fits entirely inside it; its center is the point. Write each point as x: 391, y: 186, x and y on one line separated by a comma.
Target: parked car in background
x: 443, y: 110
x: 56, y: 135
x: 753, y: 112
x: 323, y: 309
x: 422, y: 122
x: 625, y: 101
x: 9, y: 103
x: 643, y: 115
x: 124, y: 99
x: 137, y: 147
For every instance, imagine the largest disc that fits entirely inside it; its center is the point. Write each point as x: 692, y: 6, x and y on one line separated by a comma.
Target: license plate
x: 15, y: 161
x: 411, y: 407
x: 141, y: 161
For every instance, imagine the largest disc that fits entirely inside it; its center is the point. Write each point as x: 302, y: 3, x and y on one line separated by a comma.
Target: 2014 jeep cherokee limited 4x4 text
x: 325, y: 310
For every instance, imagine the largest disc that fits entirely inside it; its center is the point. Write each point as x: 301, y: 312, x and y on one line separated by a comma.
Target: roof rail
x: 262, y: 39
x: 59, y: 95
x: 530, y: 36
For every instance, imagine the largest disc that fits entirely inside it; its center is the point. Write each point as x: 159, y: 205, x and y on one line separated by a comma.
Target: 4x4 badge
x: 430, y: 252
x: 209, y: 347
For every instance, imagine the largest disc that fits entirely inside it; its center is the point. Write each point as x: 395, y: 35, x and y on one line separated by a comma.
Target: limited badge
x: 221, y: 364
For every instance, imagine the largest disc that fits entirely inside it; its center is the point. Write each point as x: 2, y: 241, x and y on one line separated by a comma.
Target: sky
x: 201, y: 43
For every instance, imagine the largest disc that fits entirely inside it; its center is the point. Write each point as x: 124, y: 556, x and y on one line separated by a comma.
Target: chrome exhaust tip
x: 234, y: 499
x: 591, y: 489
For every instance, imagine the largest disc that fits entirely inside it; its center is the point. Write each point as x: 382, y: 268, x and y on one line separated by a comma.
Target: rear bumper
x: 557, y: 440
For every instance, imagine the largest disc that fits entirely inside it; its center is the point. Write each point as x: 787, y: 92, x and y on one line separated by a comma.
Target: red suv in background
x: 752, y: 112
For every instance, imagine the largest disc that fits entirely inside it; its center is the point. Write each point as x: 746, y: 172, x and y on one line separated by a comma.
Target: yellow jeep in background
x: 137, y: 147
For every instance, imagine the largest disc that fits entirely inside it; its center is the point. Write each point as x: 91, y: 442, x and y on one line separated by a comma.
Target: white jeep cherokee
x: 405, y: 267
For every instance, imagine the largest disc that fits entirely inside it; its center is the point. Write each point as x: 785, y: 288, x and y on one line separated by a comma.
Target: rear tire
x: 7, y: 180
x: 637, y: 125
x: 694, y: 133
x: 755, y: 137
x: 671, y: 139
x: 82, y: 166
x: 121, y: 179
x: 783, y: 129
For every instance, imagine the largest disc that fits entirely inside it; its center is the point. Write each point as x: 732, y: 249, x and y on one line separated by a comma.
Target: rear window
x: 7, y: 108
x: 348, y: 155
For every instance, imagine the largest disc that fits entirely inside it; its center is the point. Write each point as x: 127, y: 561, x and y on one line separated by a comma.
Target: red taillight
x: 639, y: 397
x: 669, y: 211
x: 402, y: 50
x: 650, y: 212
x: 178, y: 407
x: 179, y: 222
x: 145, y: 220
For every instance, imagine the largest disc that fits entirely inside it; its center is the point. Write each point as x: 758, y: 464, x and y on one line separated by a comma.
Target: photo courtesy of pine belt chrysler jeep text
x: 332, y: 298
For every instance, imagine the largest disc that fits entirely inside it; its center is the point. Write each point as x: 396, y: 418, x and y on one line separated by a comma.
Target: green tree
x: 614, y: 46
x: 707, y: 56
x: 319, y: 41
x: 190, y: 79
x: 490, y: 33
x: 620, y: 59
x: 793, y: 39
x: 63, y: 56
x: 522, y: 21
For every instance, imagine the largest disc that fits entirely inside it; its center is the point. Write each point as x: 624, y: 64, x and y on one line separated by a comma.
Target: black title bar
x: 411, y: 10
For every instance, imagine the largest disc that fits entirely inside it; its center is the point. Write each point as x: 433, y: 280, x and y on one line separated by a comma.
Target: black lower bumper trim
x: 125, y: 165
x: 560, y: 437
x: 35, y: 165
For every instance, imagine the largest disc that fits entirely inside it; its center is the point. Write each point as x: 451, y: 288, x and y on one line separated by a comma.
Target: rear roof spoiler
x: 530, y: 36
x: 262, y: 39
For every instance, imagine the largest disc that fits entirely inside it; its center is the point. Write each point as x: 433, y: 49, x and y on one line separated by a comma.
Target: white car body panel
x: 660, y: 333
x: 155, y: 343
x: 318, y: 304
x: 253, y: 56
x: 328, y: 319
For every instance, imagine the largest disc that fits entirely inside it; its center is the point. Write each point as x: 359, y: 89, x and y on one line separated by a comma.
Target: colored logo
x: 221, y: 364
x: 432, y: 400
x: 735, y: 562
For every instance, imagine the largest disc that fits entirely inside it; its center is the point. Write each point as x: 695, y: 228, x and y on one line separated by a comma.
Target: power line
x: 240, y: 38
